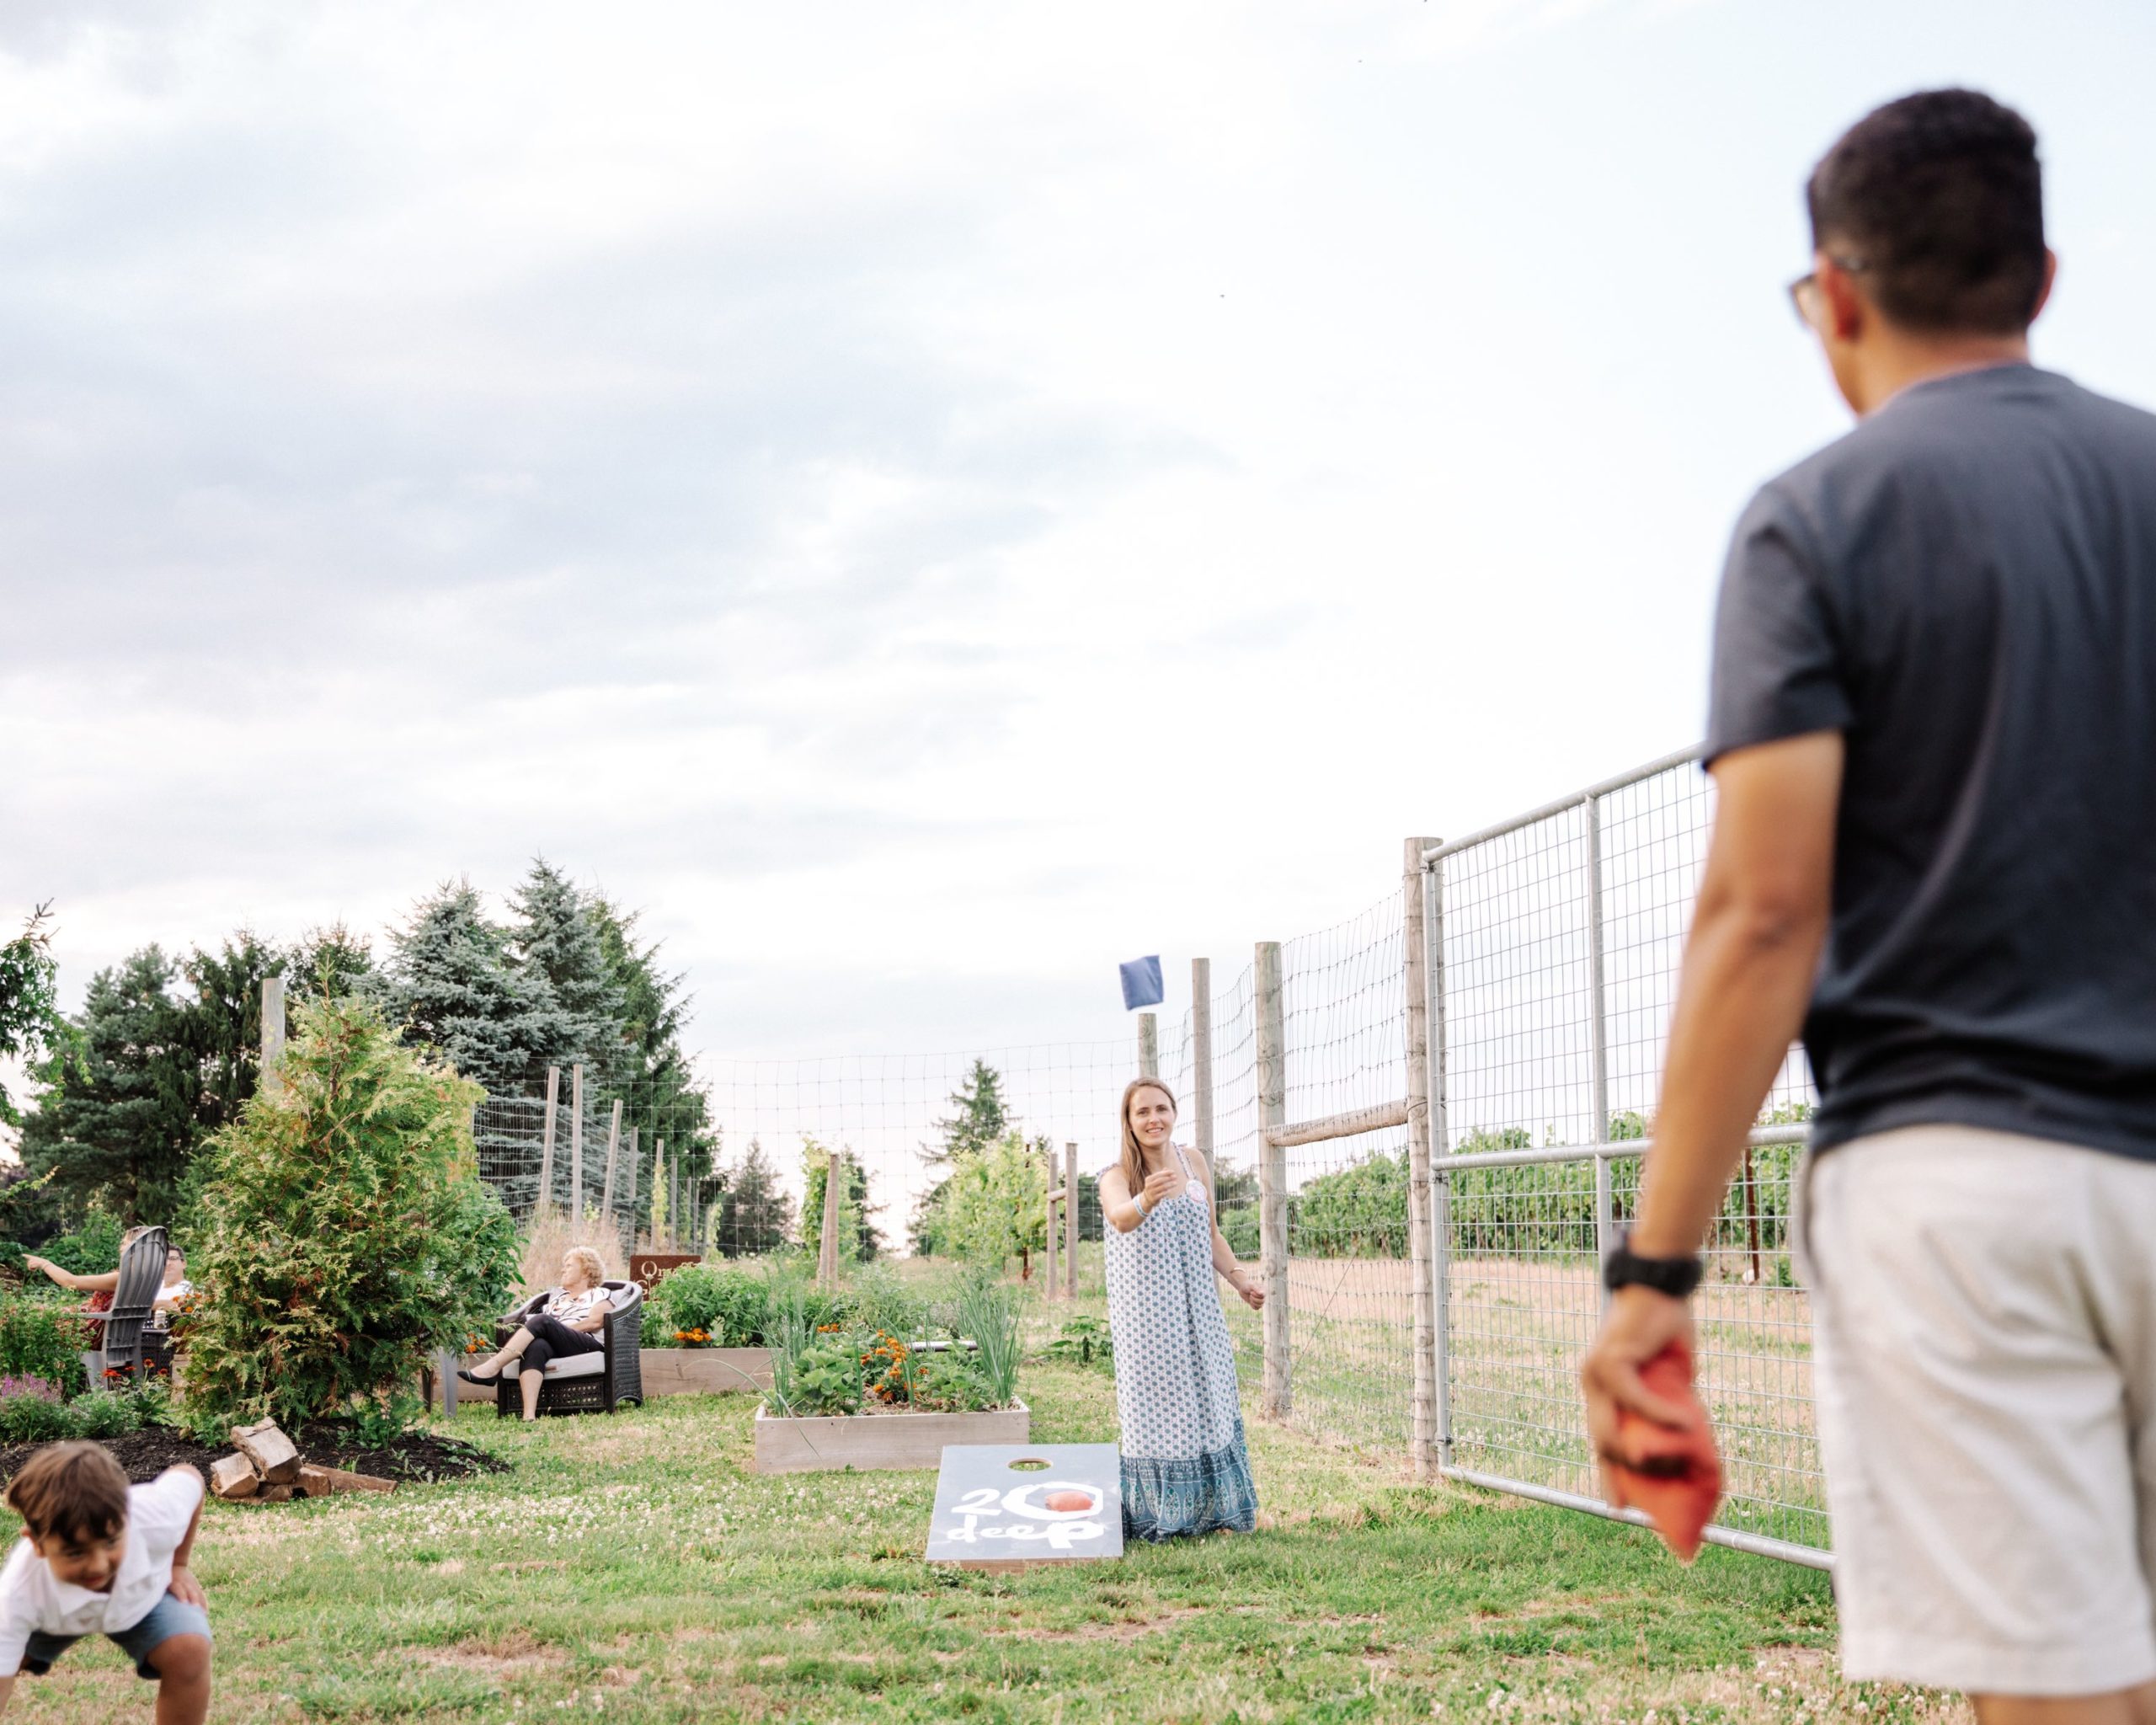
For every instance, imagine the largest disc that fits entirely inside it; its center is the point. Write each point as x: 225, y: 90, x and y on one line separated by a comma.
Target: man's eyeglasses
x: 1804, y: 291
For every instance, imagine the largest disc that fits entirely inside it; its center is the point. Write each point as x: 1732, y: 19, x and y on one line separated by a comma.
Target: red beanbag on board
x: 1677, y: 1479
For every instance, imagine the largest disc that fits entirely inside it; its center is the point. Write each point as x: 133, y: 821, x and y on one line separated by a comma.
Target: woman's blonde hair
x: 1134, y: 1160
x: 590, y: 1262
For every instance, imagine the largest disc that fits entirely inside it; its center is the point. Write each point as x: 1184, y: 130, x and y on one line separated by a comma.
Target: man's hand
x: 1639, y: 1324
x: 185, y: 1588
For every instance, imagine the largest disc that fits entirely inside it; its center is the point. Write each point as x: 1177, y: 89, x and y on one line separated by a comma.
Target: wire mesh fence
x: 718, y: 1160
x: 1538, y: 963
x: 1556, y: 945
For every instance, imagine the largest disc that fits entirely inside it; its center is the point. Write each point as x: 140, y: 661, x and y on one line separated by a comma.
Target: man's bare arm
x: 1749, y: 964
x: 1765, y: 902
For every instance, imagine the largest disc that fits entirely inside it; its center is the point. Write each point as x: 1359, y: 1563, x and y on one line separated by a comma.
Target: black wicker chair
x: 584, y: 1383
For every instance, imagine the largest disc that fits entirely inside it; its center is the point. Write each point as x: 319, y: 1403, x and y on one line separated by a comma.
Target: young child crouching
x: 99, y: 1556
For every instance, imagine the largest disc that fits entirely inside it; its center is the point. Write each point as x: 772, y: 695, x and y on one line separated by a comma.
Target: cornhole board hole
x: 1001, y: 1507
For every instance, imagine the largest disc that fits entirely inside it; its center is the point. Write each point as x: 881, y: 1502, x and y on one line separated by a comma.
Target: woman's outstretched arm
x: 103, y: 1284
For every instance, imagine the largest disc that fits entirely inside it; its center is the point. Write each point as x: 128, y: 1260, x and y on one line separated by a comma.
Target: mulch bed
x: 417, y: 1455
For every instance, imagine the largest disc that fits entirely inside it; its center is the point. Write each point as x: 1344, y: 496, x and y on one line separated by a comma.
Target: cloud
x: 928, y: 503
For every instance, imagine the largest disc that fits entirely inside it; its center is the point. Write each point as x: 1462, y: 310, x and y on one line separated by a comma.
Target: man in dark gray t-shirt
x: 1965, y: 588
x: 1933, y: 733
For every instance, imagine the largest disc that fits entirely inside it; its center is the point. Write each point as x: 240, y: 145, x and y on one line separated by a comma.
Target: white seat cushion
x: 577, y: 1366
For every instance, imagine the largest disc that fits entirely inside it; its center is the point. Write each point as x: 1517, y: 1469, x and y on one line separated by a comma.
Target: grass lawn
x: 633, y: 1569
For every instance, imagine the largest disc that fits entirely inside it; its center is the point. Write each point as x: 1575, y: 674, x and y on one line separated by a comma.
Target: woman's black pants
x: 552, y: 1339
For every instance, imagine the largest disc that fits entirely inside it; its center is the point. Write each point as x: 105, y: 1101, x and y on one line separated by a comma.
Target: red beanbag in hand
x: 1677, y: 1477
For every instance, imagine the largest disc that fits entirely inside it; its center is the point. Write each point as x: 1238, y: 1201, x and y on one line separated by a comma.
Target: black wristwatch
x: 1624, y: 1268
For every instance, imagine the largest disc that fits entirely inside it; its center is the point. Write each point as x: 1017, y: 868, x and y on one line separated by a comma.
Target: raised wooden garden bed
x: 886, y: 1441
x: 705, y: 1371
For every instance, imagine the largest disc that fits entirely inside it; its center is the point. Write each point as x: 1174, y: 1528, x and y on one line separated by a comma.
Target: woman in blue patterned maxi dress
x: 1184, y: 1469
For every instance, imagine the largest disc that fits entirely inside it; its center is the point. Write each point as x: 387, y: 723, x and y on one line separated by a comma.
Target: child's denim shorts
x: 169, y: 1617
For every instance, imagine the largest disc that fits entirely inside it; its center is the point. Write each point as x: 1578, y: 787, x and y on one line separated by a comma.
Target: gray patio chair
x: 141, y: 1274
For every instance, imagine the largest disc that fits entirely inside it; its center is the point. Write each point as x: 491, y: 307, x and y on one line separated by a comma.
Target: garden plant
x: 346, y: 1234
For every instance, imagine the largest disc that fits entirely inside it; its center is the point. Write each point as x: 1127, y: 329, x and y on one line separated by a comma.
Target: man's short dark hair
x: 74, y: 1491
x: 1940, y: 198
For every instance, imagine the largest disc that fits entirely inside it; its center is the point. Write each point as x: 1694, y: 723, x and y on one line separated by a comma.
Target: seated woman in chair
x: 569, y: 1323
x: 101, y: 1287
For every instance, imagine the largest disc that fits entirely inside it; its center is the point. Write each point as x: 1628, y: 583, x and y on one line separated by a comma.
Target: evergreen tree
x: 119, y: 1117
x: 452, y: 985
x: 660, y: 1093
x: 756, y: 1215
x: 347, y: 1235
x: 221, y: 1026
x: 554, y: 939
x: 335, y: 963
x: 979, y: 1119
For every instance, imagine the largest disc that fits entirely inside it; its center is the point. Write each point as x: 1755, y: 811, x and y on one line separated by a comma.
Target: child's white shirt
x: 31, y: 1599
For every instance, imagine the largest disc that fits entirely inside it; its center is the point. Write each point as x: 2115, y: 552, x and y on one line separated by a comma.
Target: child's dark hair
x: 74, y: 1491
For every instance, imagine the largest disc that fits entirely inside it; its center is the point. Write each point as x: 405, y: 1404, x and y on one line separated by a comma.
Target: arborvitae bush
x: 346, y: 1233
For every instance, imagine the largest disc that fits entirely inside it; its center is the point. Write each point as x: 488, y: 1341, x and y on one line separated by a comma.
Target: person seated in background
x: 569, y: 1323
x: 100, y: 1286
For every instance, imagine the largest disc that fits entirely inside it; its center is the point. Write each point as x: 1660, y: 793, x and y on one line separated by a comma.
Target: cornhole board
x: 993, y: 1515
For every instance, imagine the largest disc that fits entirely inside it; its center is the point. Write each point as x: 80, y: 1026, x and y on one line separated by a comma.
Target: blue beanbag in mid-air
x: 1141, y: 983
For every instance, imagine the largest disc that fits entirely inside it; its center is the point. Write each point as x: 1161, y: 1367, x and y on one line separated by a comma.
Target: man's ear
x: 2044, y: 293
x: 1846, y: 310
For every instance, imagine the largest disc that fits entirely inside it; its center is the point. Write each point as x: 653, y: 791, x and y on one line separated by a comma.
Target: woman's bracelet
x: 1139, y: 1204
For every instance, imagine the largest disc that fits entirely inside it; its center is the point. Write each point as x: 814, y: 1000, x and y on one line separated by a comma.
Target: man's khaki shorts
x: 1984, y: 1314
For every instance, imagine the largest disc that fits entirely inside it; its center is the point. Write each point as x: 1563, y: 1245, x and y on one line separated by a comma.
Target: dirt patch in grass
x: 417, y: 1455
x: 1126, y: 1631
x: 513, y: 1650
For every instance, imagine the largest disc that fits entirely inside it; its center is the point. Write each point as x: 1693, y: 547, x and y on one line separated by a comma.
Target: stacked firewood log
x: 270, y: 1469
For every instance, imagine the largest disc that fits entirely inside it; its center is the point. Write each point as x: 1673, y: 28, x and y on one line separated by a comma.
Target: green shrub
x: 347, y: 1235
x: 1084, y: 1341
x: 91, y: 1250
x: 36, y: 1420
x: 33, y: 1413
x: 40, y: 1337
x: 729, y: 1305
x: 104, y: 1413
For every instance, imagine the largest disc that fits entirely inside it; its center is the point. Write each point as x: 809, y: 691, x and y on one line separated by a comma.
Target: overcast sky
x: 927, y: 501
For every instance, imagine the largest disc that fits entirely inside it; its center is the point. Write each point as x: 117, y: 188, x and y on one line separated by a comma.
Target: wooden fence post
x: 1071, y: 1222
x: 547, y: 1141
x: 613, y: 1145
x: 1149, y: 1045
x: 673, y: 1196
x: 1048, y: 1224
x: 1278, y: 1399
x: 827, y: 1250
x: 1415, y: 982
x: 271, y: 1079
x: 632, y: 1199
x: 576, y: 1140
x: 1200, y: 1099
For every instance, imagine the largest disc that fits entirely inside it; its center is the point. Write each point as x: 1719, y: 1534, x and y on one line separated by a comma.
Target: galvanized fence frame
x: 1761, y: 1495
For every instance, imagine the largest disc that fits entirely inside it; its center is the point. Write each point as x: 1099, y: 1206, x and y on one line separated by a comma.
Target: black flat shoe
x: 473, y: 1377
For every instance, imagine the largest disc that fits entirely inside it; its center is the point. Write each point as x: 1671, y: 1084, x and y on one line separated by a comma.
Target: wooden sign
x: 647, y: 1267
x: 1009, y: 1506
